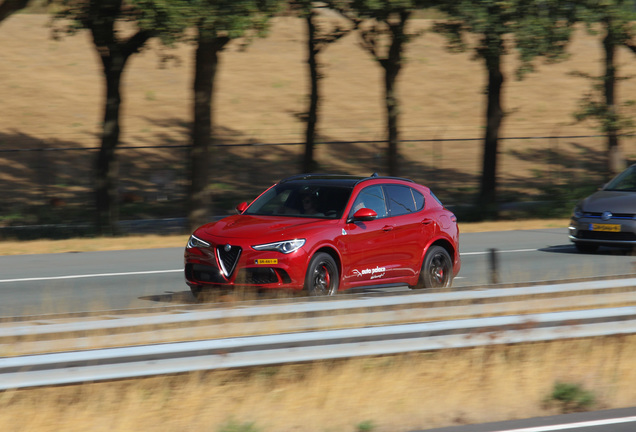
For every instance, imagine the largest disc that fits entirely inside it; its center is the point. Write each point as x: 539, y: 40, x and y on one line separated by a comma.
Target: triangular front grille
x: 228, y: 256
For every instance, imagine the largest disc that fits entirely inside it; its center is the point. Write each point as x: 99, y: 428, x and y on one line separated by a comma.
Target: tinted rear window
x: 403, y: 200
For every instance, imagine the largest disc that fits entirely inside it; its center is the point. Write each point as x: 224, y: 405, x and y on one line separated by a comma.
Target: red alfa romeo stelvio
x: 325, y: 233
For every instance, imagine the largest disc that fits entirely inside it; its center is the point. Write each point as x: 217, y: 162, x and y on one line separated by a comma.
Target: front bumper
x: 586, y: 231
x: 253, y: 269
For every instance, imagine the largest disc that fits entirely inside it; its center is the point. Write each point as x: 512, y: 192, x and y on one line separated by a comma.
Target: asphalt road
x: 616, y: 420
x: 76, y: 282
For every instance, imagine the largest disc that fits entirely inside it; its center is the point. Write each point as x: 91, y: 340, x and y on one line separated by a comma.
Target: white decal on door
x: 375, y: 273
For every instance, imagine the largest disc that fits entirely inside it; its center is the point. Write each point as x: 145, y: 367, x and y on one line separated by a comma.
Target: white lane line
x: 486, y: 252
x: 498, y: 251
x: 574, y: 425
x: 48, y: 278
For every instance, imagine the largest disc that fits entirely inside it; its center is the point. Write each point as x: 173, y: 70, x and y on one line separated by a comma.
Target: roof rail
x: 308, y: 176
x: 374, y: 176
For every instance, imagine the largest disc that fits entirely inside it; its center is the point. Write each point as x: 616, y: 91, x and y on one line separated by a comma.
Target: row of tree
x: 490, y: 28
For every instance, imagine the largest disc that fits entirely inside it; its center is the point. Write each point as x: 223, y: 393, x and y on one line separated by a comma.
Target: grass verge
x: 396, y: 393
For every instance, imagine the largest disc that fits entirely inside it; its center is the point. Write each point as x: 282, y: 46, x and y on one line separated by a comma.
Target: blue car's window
x: 302, y: 199
x: 625, y: 181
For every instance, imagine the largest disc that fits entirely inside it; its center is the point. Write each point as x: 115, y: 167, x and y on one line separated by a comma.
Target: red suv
x: 329, y: 233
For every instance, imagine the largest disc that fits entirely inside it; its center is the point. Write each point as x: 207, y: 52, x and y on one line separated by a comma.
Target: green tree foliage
x: 532, y: 27
x: 213, y: 24
x: 614, y: 20
x: 384, y: 35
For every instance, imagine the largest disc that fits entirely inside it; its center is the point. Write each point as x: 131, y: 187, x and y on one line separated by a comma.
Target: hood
x: 612, y: 201
x: 275, y: 227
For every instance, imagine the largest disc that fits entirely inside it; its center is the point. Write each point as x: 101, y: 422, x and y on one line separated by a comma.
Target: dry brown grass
x: 55, y: 89
x: 400, y: 393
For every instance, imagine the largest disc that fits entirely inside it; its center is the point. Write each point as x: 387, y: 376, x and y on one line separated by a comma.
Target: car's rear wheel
x: 322, y: 276
x: 586, y: 247
x: 437, y: 269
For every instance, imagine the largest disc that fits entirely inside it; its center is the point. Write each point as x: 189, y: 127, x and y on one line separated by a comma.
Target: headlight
x: 196, y: 242
x: 287, y: 246
x: 578, y: 212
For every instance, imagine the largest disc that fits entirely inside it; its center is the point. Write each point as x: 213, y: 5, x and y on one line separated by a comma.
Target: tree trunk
x: 392, y: 65
x: 615, y: 161
x: 114, y: 54
x: 9, y: 7
x: 206, y: 63
x: 391, y: 101
x: 106, y: 167
x: 494, y: 116
x: 309, y: 165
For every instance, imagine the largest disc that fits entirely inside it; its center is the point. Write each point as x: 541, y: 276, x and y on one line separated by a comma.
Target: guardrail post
x: 494, y: 272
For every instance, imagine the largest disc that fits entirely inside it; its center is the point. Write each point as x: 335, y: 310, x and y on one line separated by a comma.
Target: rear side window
x: 403, y: 200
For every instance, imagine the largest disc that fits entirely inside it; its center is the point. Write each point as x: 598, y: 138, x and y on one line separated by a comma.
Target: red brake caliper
x: 326, y: 277
x: 440, y: 275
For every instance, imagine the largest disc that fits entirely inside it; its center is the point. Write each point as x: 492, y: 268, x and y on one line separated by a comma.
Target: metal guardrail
x: 300, y: 340
x: 148, y: 360
x: 429, y: 300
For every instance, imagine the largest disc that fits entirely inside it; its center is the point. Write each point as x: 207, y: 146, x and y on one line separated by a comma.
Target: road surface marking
x: 574, y: 425
x: 47, y: 278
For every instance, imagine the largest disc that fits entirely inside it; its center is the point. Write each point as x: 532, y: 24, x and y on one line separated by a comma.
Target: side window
x: 371, y: 197
x: 403, y: 200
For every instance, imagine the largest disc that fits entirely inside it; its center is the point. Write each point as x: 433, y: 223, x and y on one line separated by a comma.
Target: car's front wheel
x: 322, y: 275
x: 437, y: 269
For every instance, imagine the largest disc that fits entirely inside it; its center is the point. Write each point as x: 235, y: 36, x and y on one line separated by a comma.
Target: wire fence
x: 51, y: 184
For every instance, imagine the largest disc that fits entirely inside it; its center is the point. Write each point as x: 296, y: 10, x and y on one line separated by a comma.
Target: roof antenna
x: 375, y: 174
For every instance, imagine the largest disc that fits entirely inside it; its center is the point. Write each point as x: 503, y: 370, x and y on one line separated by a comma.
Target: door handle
x: 427, y: 221
x: 387, y: 228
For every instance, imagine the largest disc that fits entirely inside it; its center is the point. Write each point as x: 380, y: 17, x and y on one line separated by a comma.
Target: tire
x: 586, y: 247
x: 322, y: 276
x: 437, y: 269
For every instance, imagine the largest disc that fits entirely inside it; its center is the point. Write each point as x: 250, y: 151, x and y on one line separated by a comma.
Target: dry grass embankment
x: 399, y: 393
x: 53, y: 99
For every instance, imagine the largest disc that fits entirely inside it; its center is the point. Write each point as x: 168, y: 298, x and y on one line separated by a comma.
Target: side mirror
x: 364, y: 214
x: 241, y: 207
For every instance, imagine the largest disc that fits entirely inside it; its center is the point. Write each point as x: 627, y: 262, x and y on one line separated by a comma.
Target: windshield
x: 302, y: 199
x: 625, y: 181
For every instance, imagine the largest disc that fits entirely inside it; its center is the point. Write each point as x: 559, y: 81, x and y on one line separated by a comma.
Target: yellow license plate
x: 605, y: 227
x: 266, y: 261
